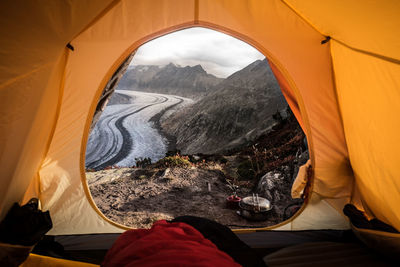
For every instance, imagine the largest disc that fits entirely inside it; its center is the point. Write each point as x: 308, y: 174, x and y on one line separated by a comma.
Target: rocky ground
x: 199, y: 185
x: 139, y: 197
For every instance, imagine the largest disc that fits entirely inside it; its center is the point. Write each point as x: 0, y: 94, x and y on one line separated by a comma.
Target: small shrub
x: 175, y: 161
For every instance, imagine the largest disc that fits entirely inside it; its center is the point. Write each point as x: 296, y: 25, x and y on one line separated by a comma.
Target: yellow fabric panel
x: 36, y: 129
x: 33, y: 34
x: 368, y: 25
x: 32, y: 46
x: 19, y: 103
x: 369, y: 97
x: 130, y: 20
x: 98, y: 52
x: 35, y: 260
x: 295, y: 48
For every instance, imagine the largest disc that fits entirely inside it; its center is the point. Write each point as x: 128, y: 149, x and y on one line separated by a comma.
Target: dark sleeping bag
x: 166, y: 244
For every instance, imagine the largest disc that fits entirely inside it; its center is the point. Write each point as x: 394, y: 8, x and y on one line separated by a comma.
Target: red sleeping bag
x: 166, y: 244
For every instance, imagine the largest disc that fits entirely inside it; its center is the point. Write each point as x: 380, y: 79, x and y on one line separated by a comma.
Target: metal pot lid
x: 255, y: 203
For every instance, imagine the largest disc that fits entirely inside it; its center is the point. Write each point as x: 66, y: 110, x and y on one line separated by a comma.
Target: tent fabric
x: 345, y: 91
x: 366, y: 58
x: 373, y: 139
x: 369, y: 27
x: 32, y: 56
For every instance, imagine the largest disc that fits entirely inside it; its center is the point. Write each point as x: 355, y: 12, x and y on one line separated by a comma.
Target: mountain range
x: 193, y: 82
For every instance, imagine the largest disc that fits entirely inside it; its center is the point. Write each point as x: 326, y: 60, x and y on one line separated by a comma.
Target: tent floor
x: 281, y: 248
x: 90, y: 248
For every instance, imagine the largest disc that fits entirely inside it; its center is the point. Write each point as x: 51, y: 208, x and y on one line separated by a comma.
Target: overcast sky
x: 218, y: 53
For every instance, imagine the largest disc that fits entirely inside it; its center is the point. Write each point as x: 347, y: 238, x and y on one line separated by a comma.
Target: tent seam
x: 56, y: 117
x: 340, y: 113
x: 372, y: 54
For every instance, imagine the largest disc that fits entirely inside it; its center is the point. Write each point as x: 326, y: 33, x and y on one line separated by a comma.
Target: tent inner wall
x: 32, y: 63
x: 372, y: 128
x: 366, y: 59
x: 290, y: 44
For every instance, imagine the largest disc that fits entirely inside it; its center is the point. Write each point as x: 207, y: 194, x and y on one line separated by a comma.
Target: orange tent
x: 338, y: 66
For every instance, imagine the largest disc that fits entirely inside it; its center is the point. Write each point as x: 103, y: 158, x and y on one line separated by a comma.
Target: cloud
x: 218, y: 53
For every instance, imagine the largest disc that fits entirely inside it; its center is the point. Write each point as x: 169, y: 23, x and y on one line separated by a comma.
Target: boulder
x: 272, y: 186
x: 275, y: 186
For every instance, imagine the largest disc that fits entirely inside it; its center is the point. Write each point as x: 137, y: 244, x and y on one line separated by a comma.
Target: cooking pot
x: 254, y: 208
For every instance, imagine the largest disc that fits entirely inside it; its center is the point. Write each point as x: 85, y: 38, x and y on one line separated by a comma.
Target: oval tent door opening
x: 194, y: 123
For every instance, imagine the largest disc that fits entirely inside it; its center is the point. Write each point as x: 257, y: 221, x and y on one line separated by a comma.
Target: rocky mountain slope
x: 193, y: 82
x: 240, y: 109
